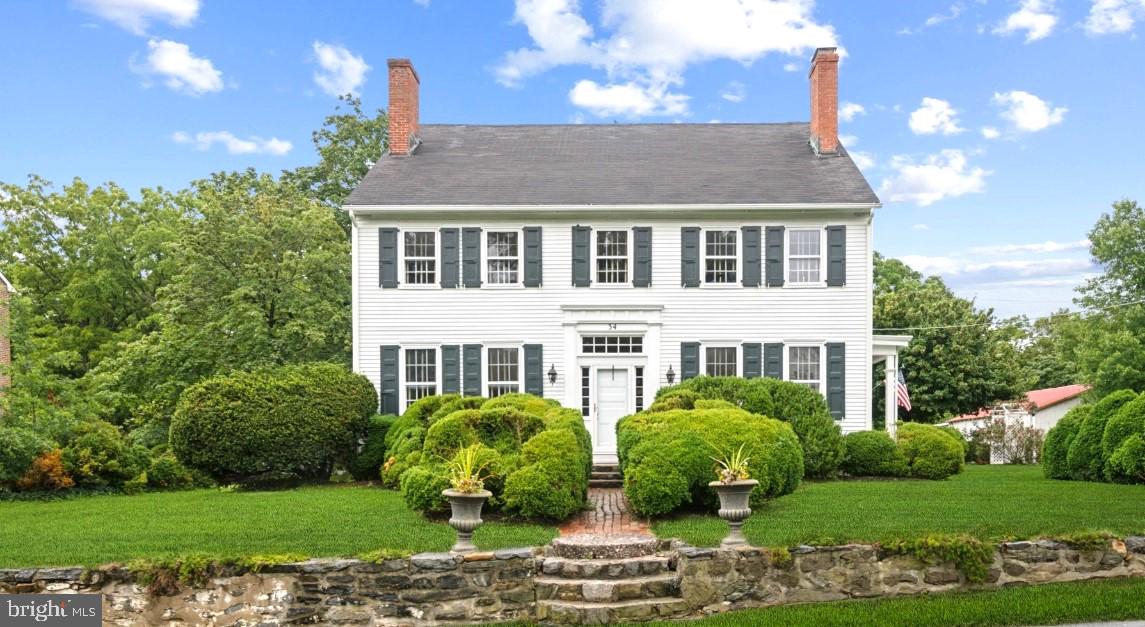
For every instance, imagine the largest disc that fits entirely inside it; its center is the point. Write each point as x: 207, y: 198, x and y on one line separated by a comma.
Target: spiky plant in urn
x: 467, y: 496
x: 734, y: 486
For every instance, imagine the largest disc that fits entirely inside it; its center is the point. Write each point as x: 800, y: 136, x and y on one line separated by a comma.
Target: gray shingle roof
x: 616, y: 164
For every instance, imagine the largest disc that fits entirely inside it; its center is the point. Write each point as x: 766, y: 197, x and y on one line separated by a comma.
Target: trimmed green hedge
x: 540, y: 453
x: 666, y: 456
x: 1086, y: 460
x: 1059, y: 439
x: 930, y: 452
x: 805, y: 409
x: 1127, y: 422
x: 872, y: 454
x: 368, y: 461
x: 286, y: 423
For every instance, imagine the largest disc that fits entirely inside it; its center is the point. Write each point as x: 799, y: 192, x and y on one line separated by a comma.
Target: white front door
x: 611, y: 405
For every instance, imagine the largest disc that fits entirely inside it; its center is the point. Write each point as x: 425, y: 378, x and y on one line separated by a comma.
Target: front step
x: 604, y: 591
x: 588, y: 546
x: 607, y: 613
x: 568, y: 568
x: 605, y: 476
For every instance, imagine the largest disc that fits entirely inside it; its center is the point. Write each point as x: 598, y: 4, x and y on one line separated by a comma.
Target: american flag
x: 902, y: 396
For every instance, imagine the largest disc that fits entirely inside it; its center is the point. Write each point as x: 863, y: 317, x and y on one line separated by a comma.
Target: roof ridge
x: 613, y: 125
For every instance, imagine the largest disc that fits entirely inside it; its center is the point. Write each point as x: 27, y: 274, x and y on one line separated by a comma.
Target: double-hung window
x: 804, y: 366
x: 421, y: 373
x: 502, y: 256
x: 720, y: 257
x: 805, y: 256
x: 720, y: 361
x: 611, y: 257
x: 420, y: 253
x: 504, y: 372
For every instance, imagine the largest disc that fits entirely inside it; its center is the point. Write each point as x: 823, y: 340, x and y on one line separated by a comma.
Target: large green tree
x: 960, y: 357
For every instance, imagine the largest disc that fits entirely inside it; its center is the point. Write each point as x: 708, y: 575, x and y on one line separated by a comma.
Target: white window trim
x: 822, y: 282
x: 484, y: 259
x: 822, y: 346
x: 402, y: 382
x: 485, y: 382
x: 643, y: 343
x: 704, y: 346
x: 631, y: 257
x: 403, y: 282
x: 738, y: 282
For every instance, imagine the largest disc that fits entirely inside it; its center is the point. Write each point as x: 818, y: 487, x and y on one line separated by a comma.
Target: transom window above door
x: 612, y: 257
x: 502, y: 255
x: 720, y: 361
x: 616, y: 344
x: 420, y: 252
x: 504, y: 372
x: 719, y: 257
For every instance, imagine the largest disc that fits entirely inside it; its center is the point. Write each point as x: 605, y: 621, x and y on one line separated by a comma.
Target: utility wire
x: 995, y: 324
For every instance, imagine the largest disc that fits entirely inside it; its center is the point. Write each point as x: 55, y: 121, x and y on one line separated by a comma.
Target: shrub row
x: 922, y: 451
x: 1103, y: 441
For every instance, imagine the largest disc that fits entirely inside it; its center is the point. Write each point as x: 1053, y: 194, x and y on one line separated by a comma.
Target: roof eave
x: 384, y: 209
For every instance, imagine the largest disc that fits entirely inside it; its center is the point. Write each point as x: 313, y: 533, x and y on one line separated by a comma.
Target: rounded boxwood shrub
x: 422, y: 486
x: 454, y: 403
x: 368, y: 461
x: 957, y: 435
x: 1086, y: 460
x: 19, y: 447
x: 550, y: 483
x: 1129, y: 420
x: 872, y: 454
x: 1127, y: 463
x: 1055, y: 449
x: 292, y: 422
x: 657, y: 446
x: 930, y: 452
x: 99, y: 456
x: 504, y: 429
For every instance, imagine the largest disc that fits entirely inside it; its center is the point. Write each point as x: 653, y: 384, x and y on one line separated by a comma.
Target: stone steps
x: 606, y: 568
x: 608, y: 590
x: 590, y: 546
x: 607, y: 613
x: 605, y: 476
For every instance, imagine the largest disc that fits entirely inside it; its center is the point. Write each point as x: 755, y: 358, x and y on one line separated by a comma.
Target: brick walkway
x: 609, y: 516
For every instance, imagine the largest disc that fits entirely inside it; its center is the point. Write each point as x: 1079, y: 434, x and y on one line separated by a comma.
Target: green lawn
x: 314, y: 521
x: 1118, y: 599
x: 990, y: 502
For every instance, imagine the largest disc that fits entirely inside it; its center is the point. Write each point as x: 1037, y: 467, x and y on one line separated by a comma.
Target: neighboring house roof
x: 6, y: 283
x: 614, y: 164
x: 1038, y: 399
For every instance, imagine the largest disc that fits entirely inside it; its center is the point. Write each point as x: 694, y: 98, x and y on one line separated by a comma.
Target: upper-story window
x: 420, y: 252
x: 804, y: 366
x: 720, y: 361
x: 502, y: 256
x: 805, y: 256
x: 421, y: 373
x: 612, y: 257
x: 719, y: 257
x: 504, y: 372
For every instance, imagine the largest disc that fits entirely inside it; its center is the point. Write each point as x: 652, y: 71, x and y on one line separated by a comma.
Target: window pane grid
x: 805, y: 257
x: 502, y: 251
x: 503, y: 371
x: 639, y: 389
x: 612, y: 257
x: 420, y: 258
x: 621, y: 344
x: 803, y: 366
x: 584, y: 391
x: 721, y: 361
x: 421, y: 374
x: 720, y: 256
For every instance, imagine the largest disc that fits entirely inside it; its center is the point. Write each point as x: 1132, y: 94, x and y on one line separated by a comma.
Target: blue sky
x: 996, y: 132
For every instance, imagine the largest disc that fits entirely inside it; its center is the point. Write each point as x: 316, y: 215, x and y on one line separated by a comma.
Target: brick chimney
x: 825, y: 101
x: 5, y: 337
x: 403, y: 113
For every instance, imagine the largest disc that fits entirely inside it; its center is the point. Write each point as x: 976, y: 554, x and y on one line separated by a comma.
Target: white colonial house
x: 594, y: 264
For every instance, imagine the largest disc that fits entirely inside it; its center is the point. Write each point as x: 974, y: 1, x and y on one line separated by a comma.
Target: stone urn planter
x: 734, y: 508
x: 466, y: 516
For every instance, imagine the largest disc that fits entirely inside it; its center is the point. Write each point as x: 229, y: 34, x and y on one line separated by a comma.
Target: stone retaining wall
x: 435, y: 588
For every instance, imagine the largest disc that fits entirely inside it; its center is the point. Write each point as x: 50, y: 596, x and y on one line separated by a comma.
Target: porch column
x: 891, y: 384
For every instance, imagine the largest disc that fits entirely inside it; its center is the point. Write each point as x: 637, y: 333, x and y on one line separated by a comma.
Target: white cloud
x: 734, y: 92
x: 1028, y: 113
x: 1036, y: 17
x: 946, y: 174
x: 921, y: 227
x: 863, y: 160
x: 421, y: 3
x: 792, y: 67
x: 849, y: 110
x: 1038, y: 247
x: 962, y: 271
x: 849, y: 140
x: 935, y: 116
x: 180, y: 70
x: 1114, y: 16
x: 136, y: 15
x: 340, y: 71
x: 989, y: 132
x: 234, y: 145
x: 934, y: 20
x: 646, y: 46
x: 627, y: 99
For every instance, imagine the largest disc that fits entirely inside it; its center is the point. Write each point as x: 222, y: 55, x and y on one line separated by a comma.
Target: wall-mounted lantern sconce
x: 671, y: 374
x: 553, y: 373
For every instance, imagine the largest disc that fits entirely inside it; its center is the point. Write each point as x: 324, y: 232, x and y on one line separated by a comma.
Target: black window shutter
x: 471, y: 373
x: 642, y: 256
x: 774, y: 255
x: 773, y: 360
x: 471, y: 257
x: 752, y: 360
x: 689, y: 360
x: 451, y: 369
x: 534, y: 369
x: 751, y: 256
x: 450, y: 256
x: 388, y: 394
x: 836, y: 255
x: 690, y: 256
x: 836, y: 379
x: 532, y: 256
x: 581, y: 250
x: 388, y: 257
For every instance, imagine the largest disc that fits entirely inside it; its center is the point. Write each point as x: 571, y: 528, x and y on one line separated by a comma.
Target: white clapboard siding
x: 432, y: 316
